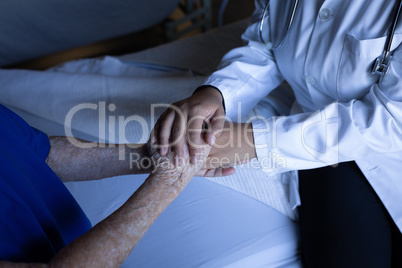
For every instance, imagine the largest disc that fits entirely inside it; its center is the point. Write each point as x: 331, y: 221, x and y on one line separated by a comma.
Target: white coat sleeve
x: 339, y: 132
x: 247, y: 74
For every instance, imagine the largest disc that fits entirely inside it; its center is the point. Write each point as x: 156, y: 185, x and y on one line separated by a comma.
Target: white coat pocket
x: 354, y: 74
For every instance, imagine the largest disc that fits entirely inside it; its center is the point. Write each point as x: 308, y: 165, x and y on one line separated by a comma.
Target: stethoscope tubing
x: 392, y: 30
x: 264, y: 14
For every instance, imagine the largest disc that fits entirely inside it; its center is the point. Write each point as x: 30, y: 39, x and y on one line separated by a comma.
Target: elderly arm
x: 77, y: 162
x: 109, y: 242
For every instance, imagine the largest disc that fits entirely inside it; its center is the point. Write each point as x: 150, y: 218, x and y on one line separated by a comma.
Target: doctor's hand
x: 195, y: 120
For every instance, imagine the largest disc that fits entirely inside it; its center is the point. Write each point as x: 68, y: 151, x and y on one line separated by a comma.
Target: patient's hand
x: 172, y: 164
x: 176, y: 171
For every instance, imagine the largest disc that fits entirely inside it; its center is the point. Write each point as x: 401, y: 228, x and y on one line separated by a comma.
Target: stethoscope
x: 381, y: 64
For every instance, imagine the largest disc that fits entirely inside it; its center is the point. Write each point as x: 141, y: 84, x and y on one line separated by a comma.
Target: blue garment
x: 38, y: 215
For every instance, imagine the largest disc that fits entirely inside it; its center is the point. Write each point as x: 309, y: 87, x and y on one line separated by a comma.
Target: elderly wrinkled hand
x: 208, y: 161
x: 177, y: 171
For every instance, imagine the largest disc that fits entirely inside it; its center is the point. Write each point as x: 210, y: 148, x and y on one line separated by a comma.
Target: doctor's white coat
x: 346, y: 113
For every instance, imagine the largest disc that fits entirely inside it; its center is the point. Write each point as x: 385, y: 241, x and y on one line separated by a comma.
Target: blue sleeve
x: 15, y: 129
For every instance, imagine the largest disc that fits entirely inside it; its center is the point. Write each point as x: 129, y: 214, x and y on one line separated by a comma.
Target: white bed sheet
x: 208, y: 225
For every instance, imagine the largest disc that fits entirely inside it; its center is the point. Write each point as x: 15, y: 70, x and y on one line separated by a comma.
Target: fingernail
x: 213, y: 140
x: 193, y: 159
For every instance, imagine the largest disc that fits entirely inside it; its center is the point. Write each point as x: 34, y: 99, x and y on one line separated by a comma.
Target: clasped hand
x: 189, y: 126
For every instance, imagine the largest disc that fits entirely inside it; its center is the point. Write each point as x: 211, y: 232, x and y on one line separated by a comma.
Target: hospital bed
x: 244, y: 220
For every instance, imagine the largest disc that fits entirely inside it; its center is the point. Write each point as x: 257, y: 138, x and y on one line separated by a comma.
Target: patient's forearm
x: 73, y: 163
x: 109, y: 242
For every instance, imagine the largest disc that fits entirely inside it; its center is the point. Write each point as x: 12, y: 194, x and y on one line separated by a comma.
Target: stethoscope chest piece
x: 381, y: 66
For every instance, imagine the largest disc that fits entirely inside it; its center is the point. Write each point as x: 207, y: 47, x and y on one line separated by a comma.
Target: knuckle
x: 163, y: 139
x: 180, y: 106
x: 196, y: 108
